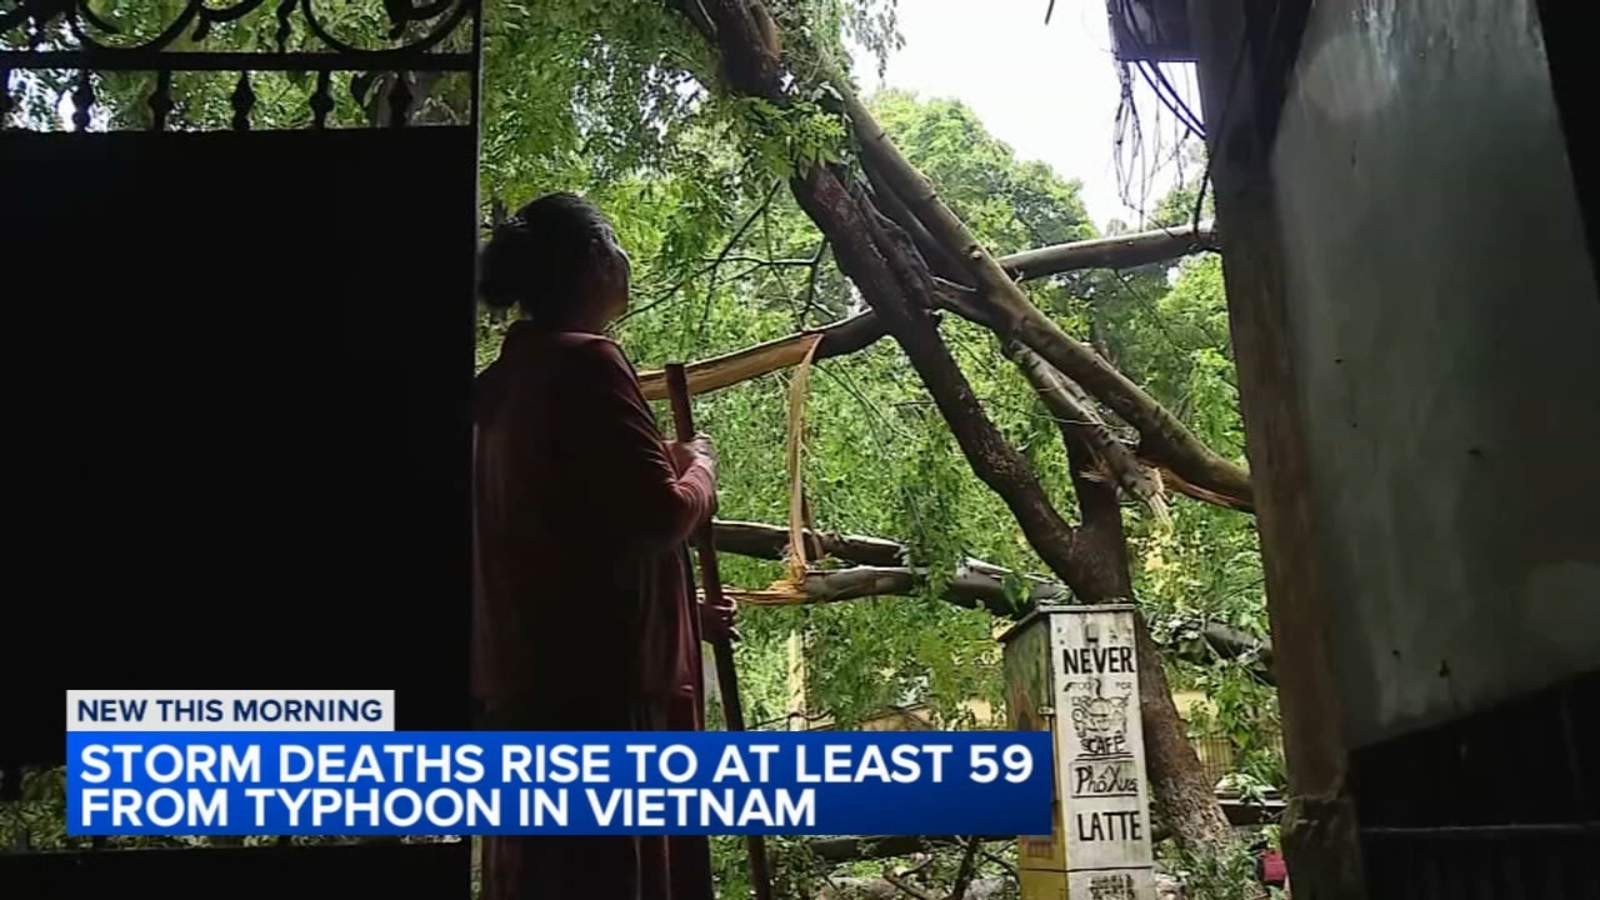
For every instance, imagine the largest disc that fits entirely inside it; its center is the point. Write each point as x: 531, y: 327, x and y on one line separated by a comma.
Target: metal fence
x: 1499, y: 804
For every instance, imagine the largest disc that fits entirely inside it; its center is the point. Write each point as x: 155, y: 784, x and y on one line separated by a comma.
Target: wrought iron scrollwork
x: 422, y: 36
x: 95, y: 34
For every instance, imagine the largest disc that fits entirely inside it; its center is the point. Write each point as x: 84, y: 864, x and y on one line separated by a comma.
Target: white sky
x: 1050, y: 92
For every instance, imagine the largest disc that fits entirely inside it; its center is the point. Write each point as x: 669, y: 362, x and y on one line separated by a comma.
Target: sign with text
x: 1100, y: 753
x: 215, y: 711
x: 591, y: 783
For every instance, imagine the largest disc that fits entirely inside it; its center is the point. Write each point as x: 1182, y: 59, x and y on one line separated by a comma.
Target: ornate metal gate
x: 238, y: 242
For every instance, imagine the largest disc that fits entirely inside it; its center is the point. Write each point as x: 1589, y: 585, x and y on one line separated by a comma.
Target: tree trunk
x: 1185, y: 799
x: 875, y: 261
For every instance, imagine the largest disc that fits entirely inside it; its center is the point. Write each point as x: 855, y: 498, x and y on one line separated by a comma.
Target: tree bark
x: 1123, y: 251
x: 772, y: 542
x: 975, y: 585
x: 1188, y: 803
x: 1079, y: 418
x: 1320, y: 837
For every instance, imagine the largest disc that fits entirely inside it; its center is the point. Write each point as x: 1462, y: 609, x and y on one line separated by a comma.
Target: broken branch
x: 842, y: 337
x: 976, y: 584
x: 772, y: 542
x: 849, y: 335
x: 1124, y: 251
x: 1077, y: 418
x: 881, y: 570
x: 1013, y: 315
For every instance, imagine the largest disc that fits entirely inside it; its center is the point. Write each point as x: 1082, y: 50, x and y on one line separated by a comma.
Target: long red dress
x: 583, y: 620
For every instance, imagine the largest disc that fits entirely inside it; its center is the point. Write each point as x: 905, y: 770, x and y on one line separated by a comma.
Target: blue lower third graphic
x: 416, y: 783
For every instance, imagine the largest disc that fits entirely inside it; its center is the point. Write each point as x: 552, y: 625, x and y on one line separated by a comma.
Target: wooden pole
x: 711, y: 579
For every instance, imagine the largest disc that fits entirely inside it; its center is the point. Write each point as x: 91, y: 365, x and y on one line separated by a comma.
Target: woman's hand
x: 717, y: 622
x: 685, y: 453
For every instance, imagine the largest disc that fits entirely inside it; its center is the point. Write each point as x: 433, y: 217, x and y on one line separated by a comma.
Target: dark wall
x: 1444, y: 317
x: 431, y: 871
x: 238, y: 371
x: 1571, y: 52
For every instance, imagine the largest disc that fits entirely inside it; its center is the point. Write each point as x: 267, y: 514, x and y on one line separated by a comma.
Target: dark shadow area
x: 239, y: 370
x: 1502, y: 803
x: 1567, y: 43
x: 335, y: 872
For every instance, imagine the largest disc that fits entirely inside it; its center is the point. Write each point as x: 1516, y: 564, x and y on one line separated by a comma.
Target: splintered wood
x: 792, y: 587
x: 798, y: 388
x: 709, y: 375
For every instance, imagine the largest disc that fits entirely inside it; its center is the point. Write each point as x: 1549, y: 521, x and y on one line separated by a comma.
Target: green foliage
x: 1175, y: 342
x: 39, y: 817
x: 1177, y: 207
x: 1011, y: 205
x: 1246, y: 713
x: 787, y: 140
x: 795, y: 872
x: 1229, y: 875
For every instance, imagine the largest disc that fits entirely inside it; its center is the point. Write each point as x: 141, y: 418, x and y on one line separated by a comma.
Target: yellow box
x: 1045, y: 852
x: 1039, y: 884
x: 1027, y: 673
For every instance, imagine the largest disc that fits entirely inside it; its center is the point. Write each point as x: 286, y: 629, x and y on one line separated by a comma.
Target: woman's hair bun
x: 506, y: 267
x: 541, y: 252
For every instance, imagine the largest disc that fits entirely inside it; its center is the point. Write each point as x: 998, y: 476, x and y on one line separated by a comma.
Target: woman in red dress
x: 583, y: 617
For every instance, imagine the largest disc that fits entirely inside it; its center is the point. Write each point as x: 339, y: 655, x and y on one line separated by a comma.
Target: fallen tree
x: 881, y: 257
x: 1136, y: 472
x: 1008, y: 311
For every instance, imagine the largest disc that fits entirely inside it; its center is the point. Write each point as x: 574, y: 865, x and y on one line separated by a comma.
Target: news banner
x: 331, y: 763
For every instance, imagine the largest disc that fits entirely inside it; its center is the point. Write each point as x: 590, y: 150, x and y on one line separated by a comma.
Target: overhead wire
x: 1133, y: 158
